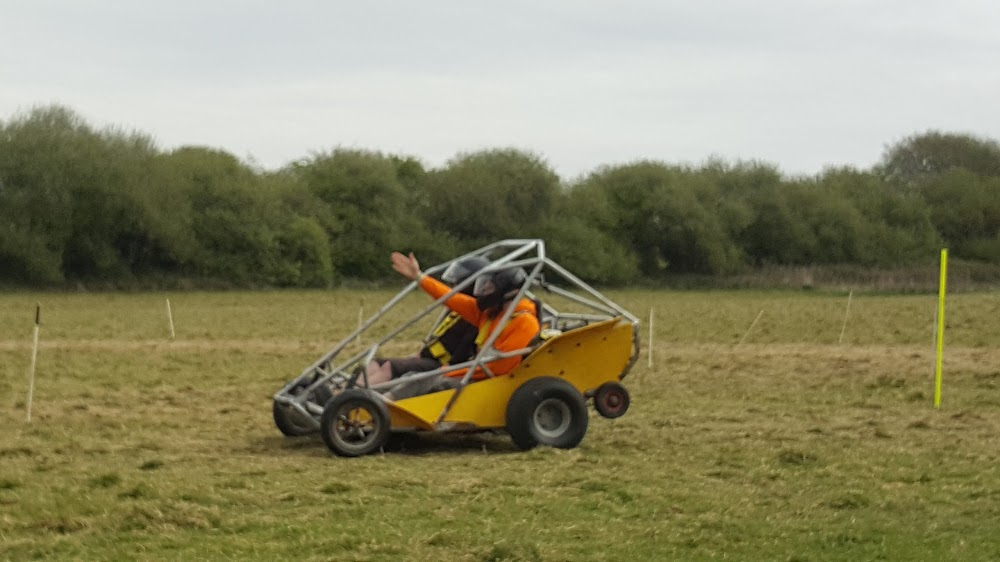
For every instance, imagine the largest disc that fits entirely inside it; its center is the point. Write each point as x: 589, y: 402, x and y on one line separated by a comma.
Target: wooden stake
x: 752, y: 324
x: 170, y: 318
x: 361, y: 318
x: 34, y: 359
x: 649, y: 351
x: 846, y: 312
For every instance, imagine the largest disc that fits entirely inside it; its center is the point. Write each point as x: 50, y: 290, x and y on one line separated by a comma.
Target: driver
x: 452, y: 341
x: 492, y: 295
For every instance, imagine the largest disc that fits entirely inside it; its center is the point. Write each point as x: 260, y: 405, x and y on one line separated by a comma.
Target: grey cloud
x: 800, y: 83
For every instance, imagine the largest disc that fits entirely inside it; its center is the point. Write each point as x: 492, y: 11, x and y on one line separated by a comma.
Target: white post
x: 361, y: 318
x: 34, y: 359
x: 846, y: 312
x: 649, y: 351
x: 752, y: 324
x: 170, y: 318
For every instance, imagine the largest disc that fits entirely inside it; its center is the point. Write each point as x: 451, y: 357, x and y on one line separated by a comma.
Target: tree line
x: 78, y: 204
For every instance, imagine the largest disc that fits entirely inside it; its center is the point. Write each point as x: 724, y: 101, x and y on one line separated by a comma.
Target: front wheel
x: 547, y: 411
x: 354, y: 423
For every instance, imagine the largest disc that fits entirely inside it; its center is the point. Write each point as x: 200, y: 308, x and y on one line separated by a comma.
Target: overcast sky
x: 802, y: 84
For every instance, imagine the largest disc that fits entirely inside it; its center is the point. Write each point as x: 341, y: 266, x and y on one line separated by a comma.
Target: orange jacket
x: 517, y: 334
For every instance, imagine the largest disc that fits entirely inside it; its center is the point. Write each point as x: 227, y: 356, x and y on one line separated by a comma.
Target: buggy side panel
x: 404, y: 418
x: 586, y: 357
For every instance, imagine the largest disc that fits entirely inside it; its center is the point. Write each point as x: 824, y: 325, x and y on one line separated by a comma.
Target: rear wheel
x: 354, y: 423
x: 291, y: 422
x: 611, y: 400
x: 547, y: 411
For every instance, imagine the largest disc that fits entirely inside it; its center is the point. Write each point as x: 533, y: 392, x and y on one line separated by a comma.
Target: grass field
x: 789, y: 446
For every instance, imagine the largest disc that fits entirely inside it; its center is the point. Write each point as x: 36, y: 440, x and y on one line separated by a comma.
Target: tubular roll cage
x: 525, y: 253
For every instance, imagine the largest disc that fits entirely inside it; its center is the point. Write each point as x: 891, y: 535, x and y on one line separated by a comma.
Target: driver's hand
x: 407, y: 266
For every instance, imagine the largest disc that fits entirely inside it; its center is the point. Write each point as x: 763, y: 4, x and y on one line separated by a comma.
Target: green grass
x: 787, y: 447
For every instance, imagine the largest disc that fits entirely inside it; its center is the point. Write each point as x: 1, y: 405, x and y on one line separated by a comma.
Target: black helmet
x: 462, y: 269
x: 500, y: 286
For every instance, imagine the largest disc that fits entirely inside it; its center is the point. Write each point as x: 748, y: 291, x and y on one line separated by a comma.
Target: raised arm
x: 464, y: 305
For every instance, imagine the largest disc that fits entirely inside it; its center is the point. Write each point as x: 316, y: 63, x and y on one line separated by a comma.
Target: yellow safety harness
x: 440, y: 352
x: 484, y: 332
x: 435, y: 347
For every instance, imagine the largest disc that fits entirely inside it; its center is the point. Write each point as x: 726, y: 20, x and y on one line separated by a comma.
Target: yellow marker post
x: 940, y: 328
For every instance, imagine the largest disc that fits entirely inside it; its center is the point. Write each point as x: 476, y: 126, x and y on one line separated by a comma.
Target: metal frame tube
x: 593, y: 292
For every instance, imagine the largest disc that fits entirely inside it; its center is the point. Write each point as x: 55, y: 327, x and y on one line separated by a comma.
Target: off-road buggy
x: 579, y: 356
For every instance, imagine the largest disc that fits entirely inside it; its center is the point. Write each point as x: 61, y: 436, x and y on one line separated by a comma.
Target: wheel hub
x: 352, y: 427
x: 552, y: 418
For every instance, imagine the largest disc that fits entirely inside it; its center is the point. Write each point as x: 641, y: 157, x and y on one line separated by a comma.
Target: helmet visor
x: 484, y: 286
x: 455, y: 273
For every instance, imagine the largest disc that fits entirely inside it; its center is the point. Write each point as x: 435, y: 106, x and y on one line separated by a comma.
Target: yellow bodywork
x: 585, y: 357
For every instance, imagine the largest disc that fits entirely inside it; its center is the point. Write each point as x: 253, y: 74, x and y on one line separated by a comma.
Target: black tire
x: 546, y: 411
x: 611, y: 400
x: 290, y: 422
x: 346, y: 431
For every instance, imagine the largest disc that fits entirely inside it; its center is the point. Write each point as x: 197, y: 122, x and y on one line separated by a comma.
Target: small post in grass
x: 940, y: 328
x: 846, y: 312
x: 170, y: 319
x: 649, y: 351
x: 361, y: 319
x: 752, y: 324
x: 34, y: 359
